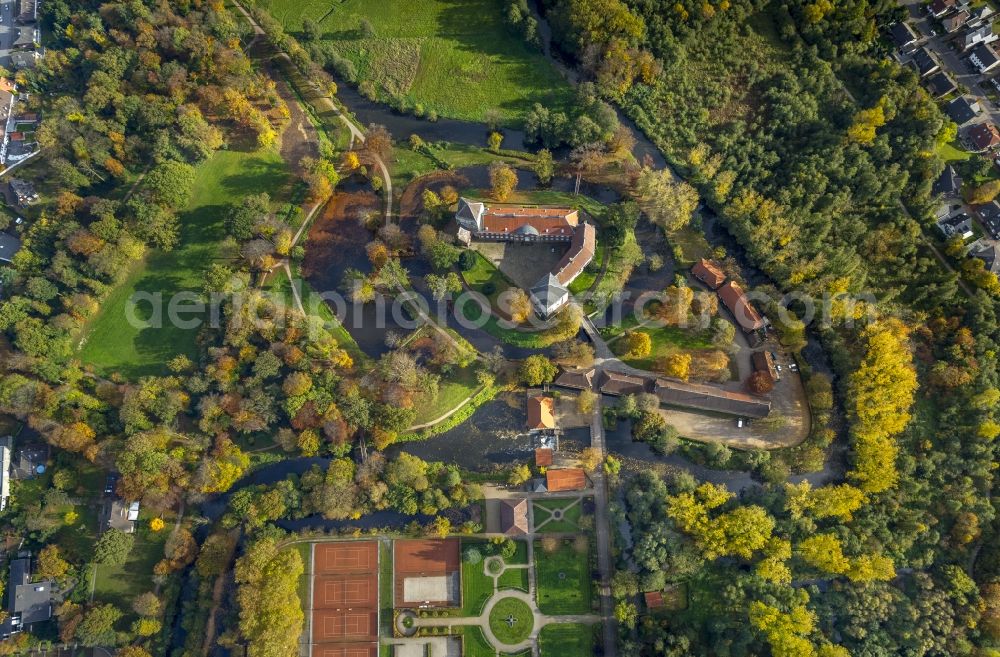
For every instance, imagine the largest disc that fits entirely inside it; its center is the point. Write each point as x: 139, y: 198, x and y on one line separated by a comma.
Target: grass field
x: 452, y: 391
x: 514, y: 578
x: 121, y: 584
x: 112, y: 344
x: 566, y: 640
x: 564, y: 582
x: 511, y: 621
x: 664, y: 339
x: 455, y: 59
x: 474, y: 643
x: 572, y: 511
x: 305, y: 551
x: 477, y: 587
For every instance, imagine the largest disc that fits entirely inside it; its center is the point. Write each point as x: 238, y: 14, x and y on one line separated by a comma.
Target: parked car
x: 109, y: 483
x: 739, y: 423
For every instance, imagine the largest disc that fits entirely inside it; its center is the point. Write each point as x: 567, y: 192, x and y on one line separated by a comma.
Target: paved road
x: 602, y: 527
x: 8, y: 32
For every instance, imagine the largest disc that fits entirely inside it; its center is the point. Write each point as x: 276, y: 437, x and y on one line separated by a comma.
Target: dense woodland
x: 817, y: 153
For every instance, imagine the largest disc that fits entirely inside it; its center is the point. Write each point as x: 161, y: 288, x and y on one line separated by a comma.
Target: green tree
x: 113, y: 547
x: 536, y: 370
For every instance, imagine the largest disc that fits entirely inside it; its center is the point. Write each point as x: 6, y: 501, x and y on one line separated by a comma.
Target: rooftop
x: 708, y: 273
x: 746, y: 315
x: 565, y: 479
x: 540, y: 413
x: 514, y: 516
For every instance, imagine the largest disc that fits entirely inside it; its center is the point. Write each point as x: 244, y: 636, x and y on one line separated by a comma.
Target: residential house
x: 989, y: 216
x: 528, y: 225
x: 28, y: 602
x: 576, y: 379
x: 27, y: 37
x: 28, y: 11
x: 709, y: 398
x: 987, y: 252
x: 121, y: 515
x: 30, y: 461
x: 653, y: 600
x: 617, y: 383
x: 981, y: 35
x: 962, y: 110
x: 763, y: 361
x: 924, y: 63
x: 24, y: 58
x: 708, y: 273
x: 984, y: 58
x: 939, y: 8
x: 9, y: 245
x: 948, y: 184
x: 980, y: 15
x: 564, y: 479
x: 540, y: 415
x: 903, y: 36
x: 940, y: 84
x: 958, y: 226
x: 23, y: 191
x: 982, y: 137
x: 955, y: 21
x: 514, y: 516
x: 735, y: 300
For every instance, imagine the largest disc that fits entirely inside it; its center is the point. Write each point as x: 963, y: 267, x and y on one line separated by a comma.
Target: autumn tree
x: 536, y: 370
x: 882, y: 391
x: 668, y: 202
x: 50, y: 564
x: 503, y: 180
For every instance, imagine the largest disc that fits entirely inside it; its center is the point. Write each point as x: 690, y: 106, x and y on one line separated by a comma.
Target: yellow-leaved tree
x: 882, y: 391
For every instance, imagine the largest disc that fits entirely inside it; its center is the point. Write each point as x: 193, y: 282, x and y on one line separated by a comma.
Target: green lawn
x: 588, y: 276
x: 474, y: 643
x: 664, y: 339
x: 121, y: 584
x: 566, y: 640
x: 456, y: 59
x: 112, y: 344
x: 385, y: 589
x: 953, y: 151
x: 408, y: 164
x: 511, y: 621
x: 477, y: 587
x: 305, y: 551
x: 572, y: 511
x: 452, y: 391
x: 514, y: 578
x: 564, y: 581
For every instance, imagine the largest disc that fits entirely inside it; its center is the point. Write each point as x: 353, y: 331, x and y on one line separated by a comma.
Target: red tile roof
x: 566, y: 479
x: 547, y: 221
x: 708, y: 273
x: 580, y: 253
x: 543, y: 457
x: 654, y: 599
x: 540, y: 413
x: 735, y: 299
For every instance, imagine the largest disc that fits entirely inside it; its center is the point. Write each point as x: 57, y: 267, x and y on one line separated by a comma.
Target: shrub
x: 472, y: 556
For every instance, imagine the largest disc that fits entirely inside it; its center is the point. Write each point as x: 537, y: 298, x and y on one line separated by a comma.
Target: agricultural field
x: 455, y: 60
x: 112, y: 344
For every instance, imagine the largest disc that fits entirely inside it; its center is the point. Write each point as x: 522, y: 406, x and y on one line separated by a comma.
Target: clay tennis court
x: 333, y: 650
x: 427, y: 573
x: 345, y: 599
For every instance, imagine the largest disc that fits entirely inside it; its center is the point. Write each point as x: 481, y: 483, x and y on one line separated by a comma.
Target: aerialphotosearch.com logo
x: 408, y: 309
